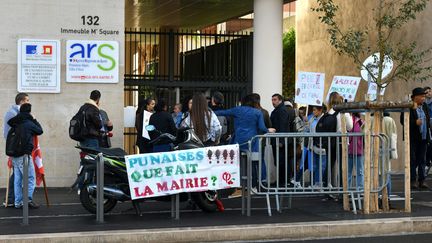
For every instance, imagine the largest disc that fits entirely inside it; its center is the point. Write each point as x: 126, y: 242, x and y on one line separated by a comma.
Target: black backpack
x: 15, y: 141
x: 328, y: 124
x: 77, y: 126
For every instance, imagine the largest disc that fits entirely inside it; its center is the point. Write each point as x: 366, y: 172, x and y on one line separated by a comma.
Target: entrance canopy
x: 189, y: 14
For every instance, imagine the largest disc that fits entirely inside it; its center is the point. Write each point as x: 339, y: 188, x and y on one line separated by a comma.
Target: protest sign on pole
x: 309, y: 88
x: 346, y: 86
x: 201, y: 169
x: 372, y: 91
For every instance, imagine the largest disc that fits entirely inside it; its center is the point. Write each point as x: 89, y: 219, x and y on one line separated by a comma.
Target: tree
x: 288, y: 65
x: 389, y: 17
x: 409, y: 63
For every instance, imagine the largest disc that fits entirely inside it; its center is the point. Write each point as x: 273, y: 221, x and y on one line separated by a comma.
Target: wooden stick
x: 45, y: 190
x: 385, y: 202
x: 376, y: 157
x: 7, y: 186
x: 407, y: 162
x: 344, y: 163
x: 367, y: 162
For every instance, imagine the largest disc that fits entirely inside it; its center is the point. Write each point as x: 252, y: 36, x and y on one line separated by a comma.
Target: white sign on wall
x: 92, y: 61
x: 309, y: 88
x: 346, y: 86
x: 38, y: 66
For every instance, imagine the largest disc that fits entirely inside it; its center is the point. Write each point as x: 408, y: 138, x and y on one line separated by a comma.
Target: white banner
x: 92, y: 61
x: 38, y: 66
x: 346, y: 86
x: 309, y: 88
x: 201, y: 169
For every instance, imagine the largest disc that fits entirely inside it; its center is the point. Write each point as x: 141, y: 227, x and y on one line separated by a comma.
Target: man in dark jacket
x: 419, y: 137
x: 93, y: 120
x: 30, y: 127
x: 281, y: 120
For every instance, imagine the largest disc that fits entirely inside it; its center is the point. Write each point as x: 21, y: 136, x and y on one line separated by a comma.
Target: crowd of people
x: 216, y: 125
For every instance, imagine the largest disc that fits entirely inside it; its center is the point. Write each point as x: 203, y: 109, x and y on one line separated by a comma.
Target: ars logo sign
x: 92, y: 61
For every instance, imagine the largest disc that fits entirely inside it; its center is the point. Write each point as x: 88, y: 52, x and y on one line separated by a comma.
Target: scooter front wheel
x: 206, y: 201
x: 88, y: 201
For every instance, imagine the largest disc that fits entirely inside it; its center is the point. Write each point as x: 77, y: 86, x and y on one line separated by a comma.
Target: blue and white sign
x: 38, y: 66
x: 92, y: 61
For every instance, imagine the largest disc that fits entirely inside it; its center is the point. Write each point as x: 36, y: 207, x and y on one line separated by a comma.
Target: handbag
x: 269, y: 161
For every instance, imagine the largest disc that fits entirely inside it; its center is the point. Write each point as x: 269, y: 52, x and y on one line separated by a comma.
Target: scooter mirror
x: 150, y: 128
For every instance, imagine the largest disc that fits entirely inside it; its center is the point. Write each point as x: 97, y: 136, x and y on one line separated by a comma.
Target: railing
x: 330, y: 167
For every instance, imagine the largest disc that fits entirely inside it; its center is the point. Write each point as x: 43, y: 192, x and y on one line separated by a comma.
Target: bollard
x: 100, y: 188
x: 25, y: 189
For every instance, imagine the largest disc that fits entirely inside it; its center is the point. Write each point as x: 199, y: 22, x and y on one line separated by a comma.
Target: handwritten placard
x: 310, y: 88
x: 346, y: 86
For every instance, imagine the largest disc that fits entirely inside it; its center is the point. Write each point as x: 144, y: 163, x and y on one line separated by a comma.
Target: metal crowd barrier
x: 290, y: 176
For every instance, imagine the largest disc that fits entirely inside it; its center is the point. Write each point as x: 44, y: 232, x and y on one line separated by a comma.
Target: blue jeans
x: 90, y: 143
x: 316, y: 168
x: 358, y: 160
x: 18, y: 164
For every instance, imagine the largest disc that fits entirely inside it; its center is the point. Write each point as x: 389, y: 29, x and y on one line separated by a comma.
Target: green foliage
x: 409, y: 63
x: 288, y: 63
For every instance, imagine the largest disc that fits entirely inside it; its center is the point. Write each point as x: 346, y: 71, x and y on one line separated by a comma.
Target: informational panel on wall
x: 346, y: 86
x: 309, y: 88
x: 38, y: 66
x: 92, y: 61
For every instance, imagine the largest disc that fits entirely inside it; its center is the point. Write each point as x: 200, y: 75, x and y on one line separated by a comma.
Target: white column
x: 267, y: 50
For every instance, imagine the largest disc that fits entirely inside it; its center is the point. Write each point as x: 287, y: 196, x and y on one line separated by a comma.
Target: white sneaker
x: 297, y: 185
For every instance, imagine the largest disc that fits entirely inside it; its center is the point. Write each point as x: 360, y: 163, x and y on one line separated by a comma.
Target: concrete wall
x: 43, y: 20
x: 315, y: 54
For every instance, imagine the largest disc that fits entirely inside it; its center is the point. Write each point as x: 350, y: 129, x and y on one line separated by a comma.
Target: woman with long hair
x: 142, y: 118
x: 203, y: 121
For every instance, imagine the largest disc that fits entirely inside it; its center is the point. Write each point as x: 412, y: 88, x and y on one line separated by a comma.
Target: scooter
x: 116, y: 186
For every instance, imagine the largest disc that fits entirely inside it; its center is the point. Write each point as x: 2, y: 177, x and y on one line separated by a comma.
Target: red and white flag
x: 37, y: 161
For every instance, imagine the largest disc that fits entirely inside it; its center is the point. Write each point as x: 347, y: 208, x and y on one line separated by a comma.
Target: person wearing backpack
x: 25, y: 127
x: 20, y: 98
x: 92, y: 121
x: 334, y: 99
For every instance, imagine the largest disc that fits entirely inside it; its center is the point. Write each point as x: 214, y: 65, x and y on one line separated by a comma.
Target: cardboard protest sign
x: 346, y: 86
x: 201, y: 169
x: 372, y: 91
x: 310, y: 88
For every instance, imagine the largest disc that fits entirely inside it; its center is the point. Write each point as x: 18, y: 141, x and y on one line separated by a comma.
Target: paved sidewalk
x: 308, y: 214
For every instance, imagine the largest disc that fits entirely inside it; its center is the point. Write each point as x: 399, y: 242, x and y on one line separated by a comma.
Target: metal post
x: 100, y: 189
x: 25, y: 190
x: 177, y: 197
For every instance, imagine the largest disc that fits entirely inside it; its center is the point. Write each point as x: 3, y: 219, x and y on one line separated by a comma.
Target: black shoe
x: 423, y: 185
x: 414, y: 185
x: 33, y: 205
